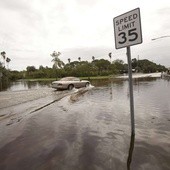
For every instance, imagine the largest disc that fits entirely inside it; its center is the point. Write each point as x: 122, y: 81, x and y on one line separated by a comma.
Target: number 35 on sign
x: 127, y: 29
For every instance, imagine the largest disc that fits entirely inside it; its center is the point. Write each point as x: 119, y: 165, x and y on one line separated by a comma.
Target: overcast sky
x: 30, y: 30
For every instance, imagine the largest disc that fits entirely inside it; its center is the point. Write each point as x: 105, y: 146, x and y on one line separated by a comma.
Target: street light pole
x: 166, y: 36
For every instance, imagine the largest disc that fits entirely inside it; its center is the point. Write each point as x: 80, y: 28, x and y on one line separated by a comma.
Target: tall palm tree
x: 57, y: 62
x: 79, y: 58
x: 8, y: 60
x: 110, y: 56
x: 3, y: 54
x: 69, y: 60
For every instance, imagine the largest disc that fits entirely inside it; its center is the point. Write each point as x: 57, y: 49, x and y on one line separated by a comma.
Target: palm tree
x: 93, y: 58
x: 57, y: 62
x: 79, y: 58
x: 69, y: 60
x: 3, y: 54
x: 110, y: 56
x: 8, y: 60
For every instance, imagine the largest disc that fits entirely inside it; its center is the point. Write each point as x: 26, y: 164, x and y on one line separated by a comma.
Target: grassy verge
x: 85, y: 78
x: 96, y: 78
x: 40, y: 79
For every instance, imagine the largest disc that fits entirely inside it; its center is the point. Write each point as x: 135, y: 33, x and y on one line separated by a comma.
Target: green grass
x: 40, y: 79
x: 86, y: 78
x: 96, y: 78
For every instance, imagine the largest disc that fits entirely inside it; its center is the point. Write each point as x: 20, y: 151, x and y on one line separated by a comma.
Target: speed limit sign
x: 127, y: 29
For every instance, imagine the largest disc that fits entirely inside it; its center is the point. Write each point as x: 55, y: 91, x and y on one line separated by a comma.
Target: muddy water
x: 86, y: 129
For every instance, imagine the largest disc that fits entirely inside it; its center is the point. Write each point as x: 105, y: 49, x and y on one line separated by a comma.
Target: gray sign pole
x: 131, y: 91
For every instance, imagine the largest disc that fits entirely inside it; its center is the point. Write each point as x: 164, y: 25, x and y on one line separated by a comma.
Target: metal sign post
x: 127, y: 29
x: 131, y: 91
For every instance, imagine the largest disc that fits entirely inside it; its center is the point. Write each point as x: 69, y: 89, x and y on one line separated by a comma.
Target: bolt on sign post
x: 127, y: 30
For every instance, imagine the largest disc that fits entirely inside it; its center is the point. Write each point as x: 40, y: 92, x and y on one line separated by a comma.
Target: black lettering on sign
x: 117, y: 22
x: 135, y: 16
x: 132, y: 34
x: 126, y: 19
x: 126, y: 26
x: 123, y: 34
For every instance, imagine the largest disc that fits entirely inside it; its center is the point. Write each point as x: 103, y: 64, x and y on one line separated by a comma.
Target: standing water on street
x: 87, y: 128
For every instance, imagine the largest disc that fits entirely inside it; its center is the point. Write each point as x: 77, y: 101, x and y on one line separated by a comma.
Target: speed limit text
x: 126, y: 22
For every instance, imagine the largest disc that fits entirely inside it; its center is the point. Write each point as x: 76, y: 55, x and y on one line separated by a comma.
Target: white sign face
x: 127, y: 28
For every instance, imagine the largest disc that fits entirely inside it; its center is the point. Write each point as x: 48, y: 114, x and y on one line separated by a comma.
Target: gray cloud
x: 88, y: 52
x: 164, y: 18
x: 15, y: 5
x: 32, y: 29
x: 26, y: 14
x: 164, y: 11
x: 87, y: 3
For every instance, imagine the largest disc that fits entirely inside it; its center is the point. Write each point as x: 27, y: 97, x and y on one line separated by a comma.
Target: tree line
x: 79, y: 68
x: 101, y: 67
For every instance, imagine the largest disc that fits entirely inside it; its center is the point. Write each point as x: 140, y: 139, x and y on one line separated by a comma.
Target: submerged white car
x: 69, y: 83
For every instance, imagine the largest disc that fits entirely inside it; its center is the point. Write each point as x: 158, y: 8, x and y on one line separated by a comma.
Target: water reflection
x: 25, y: 85
x: 4, y: 85
x: 131, y: 147
x: 111, y: 82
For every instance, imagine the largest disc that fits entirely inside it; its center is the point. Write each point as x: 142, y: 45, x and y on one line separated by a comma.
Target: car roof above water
x: 70, y: 79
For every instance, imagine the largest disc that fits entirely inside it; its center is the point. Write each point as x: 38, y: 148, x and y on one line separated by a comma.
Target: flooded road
x: 86, y: 129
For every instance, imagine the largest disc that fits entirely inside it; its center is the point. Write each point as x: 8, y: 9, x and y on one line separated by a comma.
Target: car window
x: 70, y: 79
x: 64, y: 79
x: 76, y: 79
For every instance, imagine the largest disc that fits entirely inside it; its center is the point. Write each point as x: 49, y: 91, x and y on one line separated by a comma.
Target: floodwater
x: 85, y: 129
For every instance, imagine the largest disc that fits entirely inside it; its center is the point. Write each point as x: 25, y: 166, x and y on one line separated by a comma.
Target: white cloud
x: 31, y: 30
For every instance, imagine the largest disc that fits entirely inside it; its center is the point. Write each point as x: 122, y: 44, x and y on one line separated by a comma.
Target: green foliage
x: 102, y: 66
x: 134, y: 63
x: 4, y: 77
x: 57, y: 62
x: 80, y: 68
x: 42, y: 72
x: 31, y: 69
x: 147, y: 66
x: 119, y: 66
x: 15, y: 75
